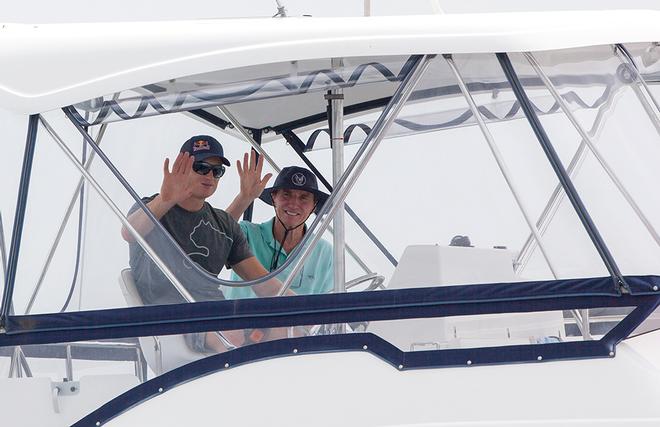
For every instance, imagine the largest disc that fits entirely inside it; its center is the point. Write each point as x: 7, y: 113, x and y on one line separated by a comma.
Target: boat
x: 493, y: 210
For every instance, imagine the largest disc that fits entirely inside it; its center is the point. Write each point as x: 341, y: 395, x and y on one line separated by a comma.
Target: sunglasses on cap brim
x: 203, y: 168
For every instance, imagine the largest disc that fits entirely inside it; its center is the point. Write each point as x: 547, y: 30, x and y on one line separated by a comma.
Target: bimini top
x: 54, y: 65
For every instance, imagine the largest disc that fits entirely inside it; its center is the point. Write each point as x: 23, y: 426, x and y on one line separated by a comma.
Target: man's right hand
x: 177, y: 185
x: 252, y: 184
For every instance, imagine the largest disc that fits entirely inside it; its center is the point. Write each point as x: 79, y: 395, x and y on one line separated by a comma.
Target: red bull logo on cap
x: 200, y: 145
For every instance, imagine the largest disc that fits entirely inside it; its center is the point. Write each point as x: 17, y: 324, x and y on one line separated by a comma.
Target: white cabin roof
x: 54, y: 65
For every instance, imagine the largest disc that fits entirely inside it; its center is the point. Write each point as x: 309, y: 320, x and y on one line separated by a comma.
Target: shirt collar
x: 266, y: 229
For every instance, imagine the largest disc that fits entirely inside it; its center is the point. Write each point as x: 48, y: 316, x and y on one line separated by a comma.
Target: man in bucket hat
x: 294, y: 197
x: 209, y: 236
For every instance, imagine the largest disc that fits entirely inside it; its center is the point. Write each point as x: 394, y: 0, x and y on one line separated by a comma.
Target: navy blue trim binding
x: 624, y: 328
x: 328, y: 309
x: 362, y: 342
x: 19, y: 217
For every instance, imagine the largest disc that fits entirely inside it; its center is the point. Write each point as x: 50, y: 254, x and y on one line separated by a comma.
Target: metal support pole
x: 335, y: 100
x: 336, y: 122
x: 137, y: 366
x: 68, y: 364
x: 83, y: 242
x: 18, y: 364
x: 22, y: 361
x: 362, y: 157
x: 78, y: 278
x: 500, y: 162
x: 12, y: 365
x: 586, y: 328
x: 15, y: 369
x: 19, y: 219
x: 63, y: 223
x: 563, y: 177
x: 592, y: 147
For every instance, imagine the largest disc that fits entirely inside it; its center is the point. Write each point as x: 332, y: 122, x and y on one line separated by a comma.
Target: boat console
x: 436, y: 265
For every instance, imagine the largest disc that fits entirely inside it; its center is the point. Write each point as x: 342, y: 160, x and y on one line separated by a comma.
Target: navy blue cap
x: 296, y: 178
x: 202, y: 147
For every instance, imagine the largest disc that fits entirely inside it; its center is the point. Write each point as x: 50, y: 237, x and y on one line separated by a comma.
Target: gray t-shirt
x: 210, y: 237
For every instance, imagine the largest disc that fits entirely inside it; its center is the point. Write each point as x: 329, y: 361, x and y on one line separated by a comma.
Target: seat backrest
x: 128, y: 288
x: 162, y: 353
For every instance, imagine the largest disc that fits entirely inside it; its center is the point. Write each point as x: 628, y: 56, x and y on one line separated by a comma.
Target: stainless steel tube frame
x: 68, y: 112
x: 19, y: 219
x: 362, y: 157
x: 628, y: 59
x: 124, y: 220
x: 558, y: 193
x: 338, y: 221
x: 557, y: 166
x: 500, y: 163
x: 63, y: 224
x: 536, y: 233
x: 259, y: 149
x: 592, y: 147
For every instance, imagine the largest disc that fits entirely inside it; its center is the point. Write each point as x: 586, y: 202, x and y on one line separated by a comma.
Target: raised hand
x: 249, y: 172
x: 177, y: 185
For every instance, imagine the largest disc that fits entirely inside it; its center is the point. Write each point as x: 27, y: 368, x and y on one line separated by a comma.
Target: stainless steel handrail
x: 376, y: 281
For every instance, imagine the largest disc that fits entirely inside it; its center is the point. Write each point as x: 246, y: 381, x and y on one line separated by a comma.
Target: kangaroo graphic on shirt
x: 203, y: 236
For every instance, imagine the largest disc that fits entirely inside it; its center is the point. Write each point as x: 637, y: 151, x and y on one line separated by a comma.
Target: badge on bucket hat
x: 298, y: 179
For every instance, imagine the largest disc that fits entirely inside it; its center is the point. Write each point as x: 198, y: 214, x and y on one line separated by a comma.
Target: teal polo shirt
x: 316, y: 276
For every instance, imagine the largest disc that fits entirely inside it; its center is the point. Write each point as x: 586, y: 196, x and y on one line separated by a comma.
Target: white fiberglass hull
x: 358, y: 389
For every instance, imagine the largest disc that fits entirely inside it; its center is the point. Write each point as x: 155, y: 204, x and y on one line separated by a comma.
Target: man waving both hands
x: 209, y: 236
